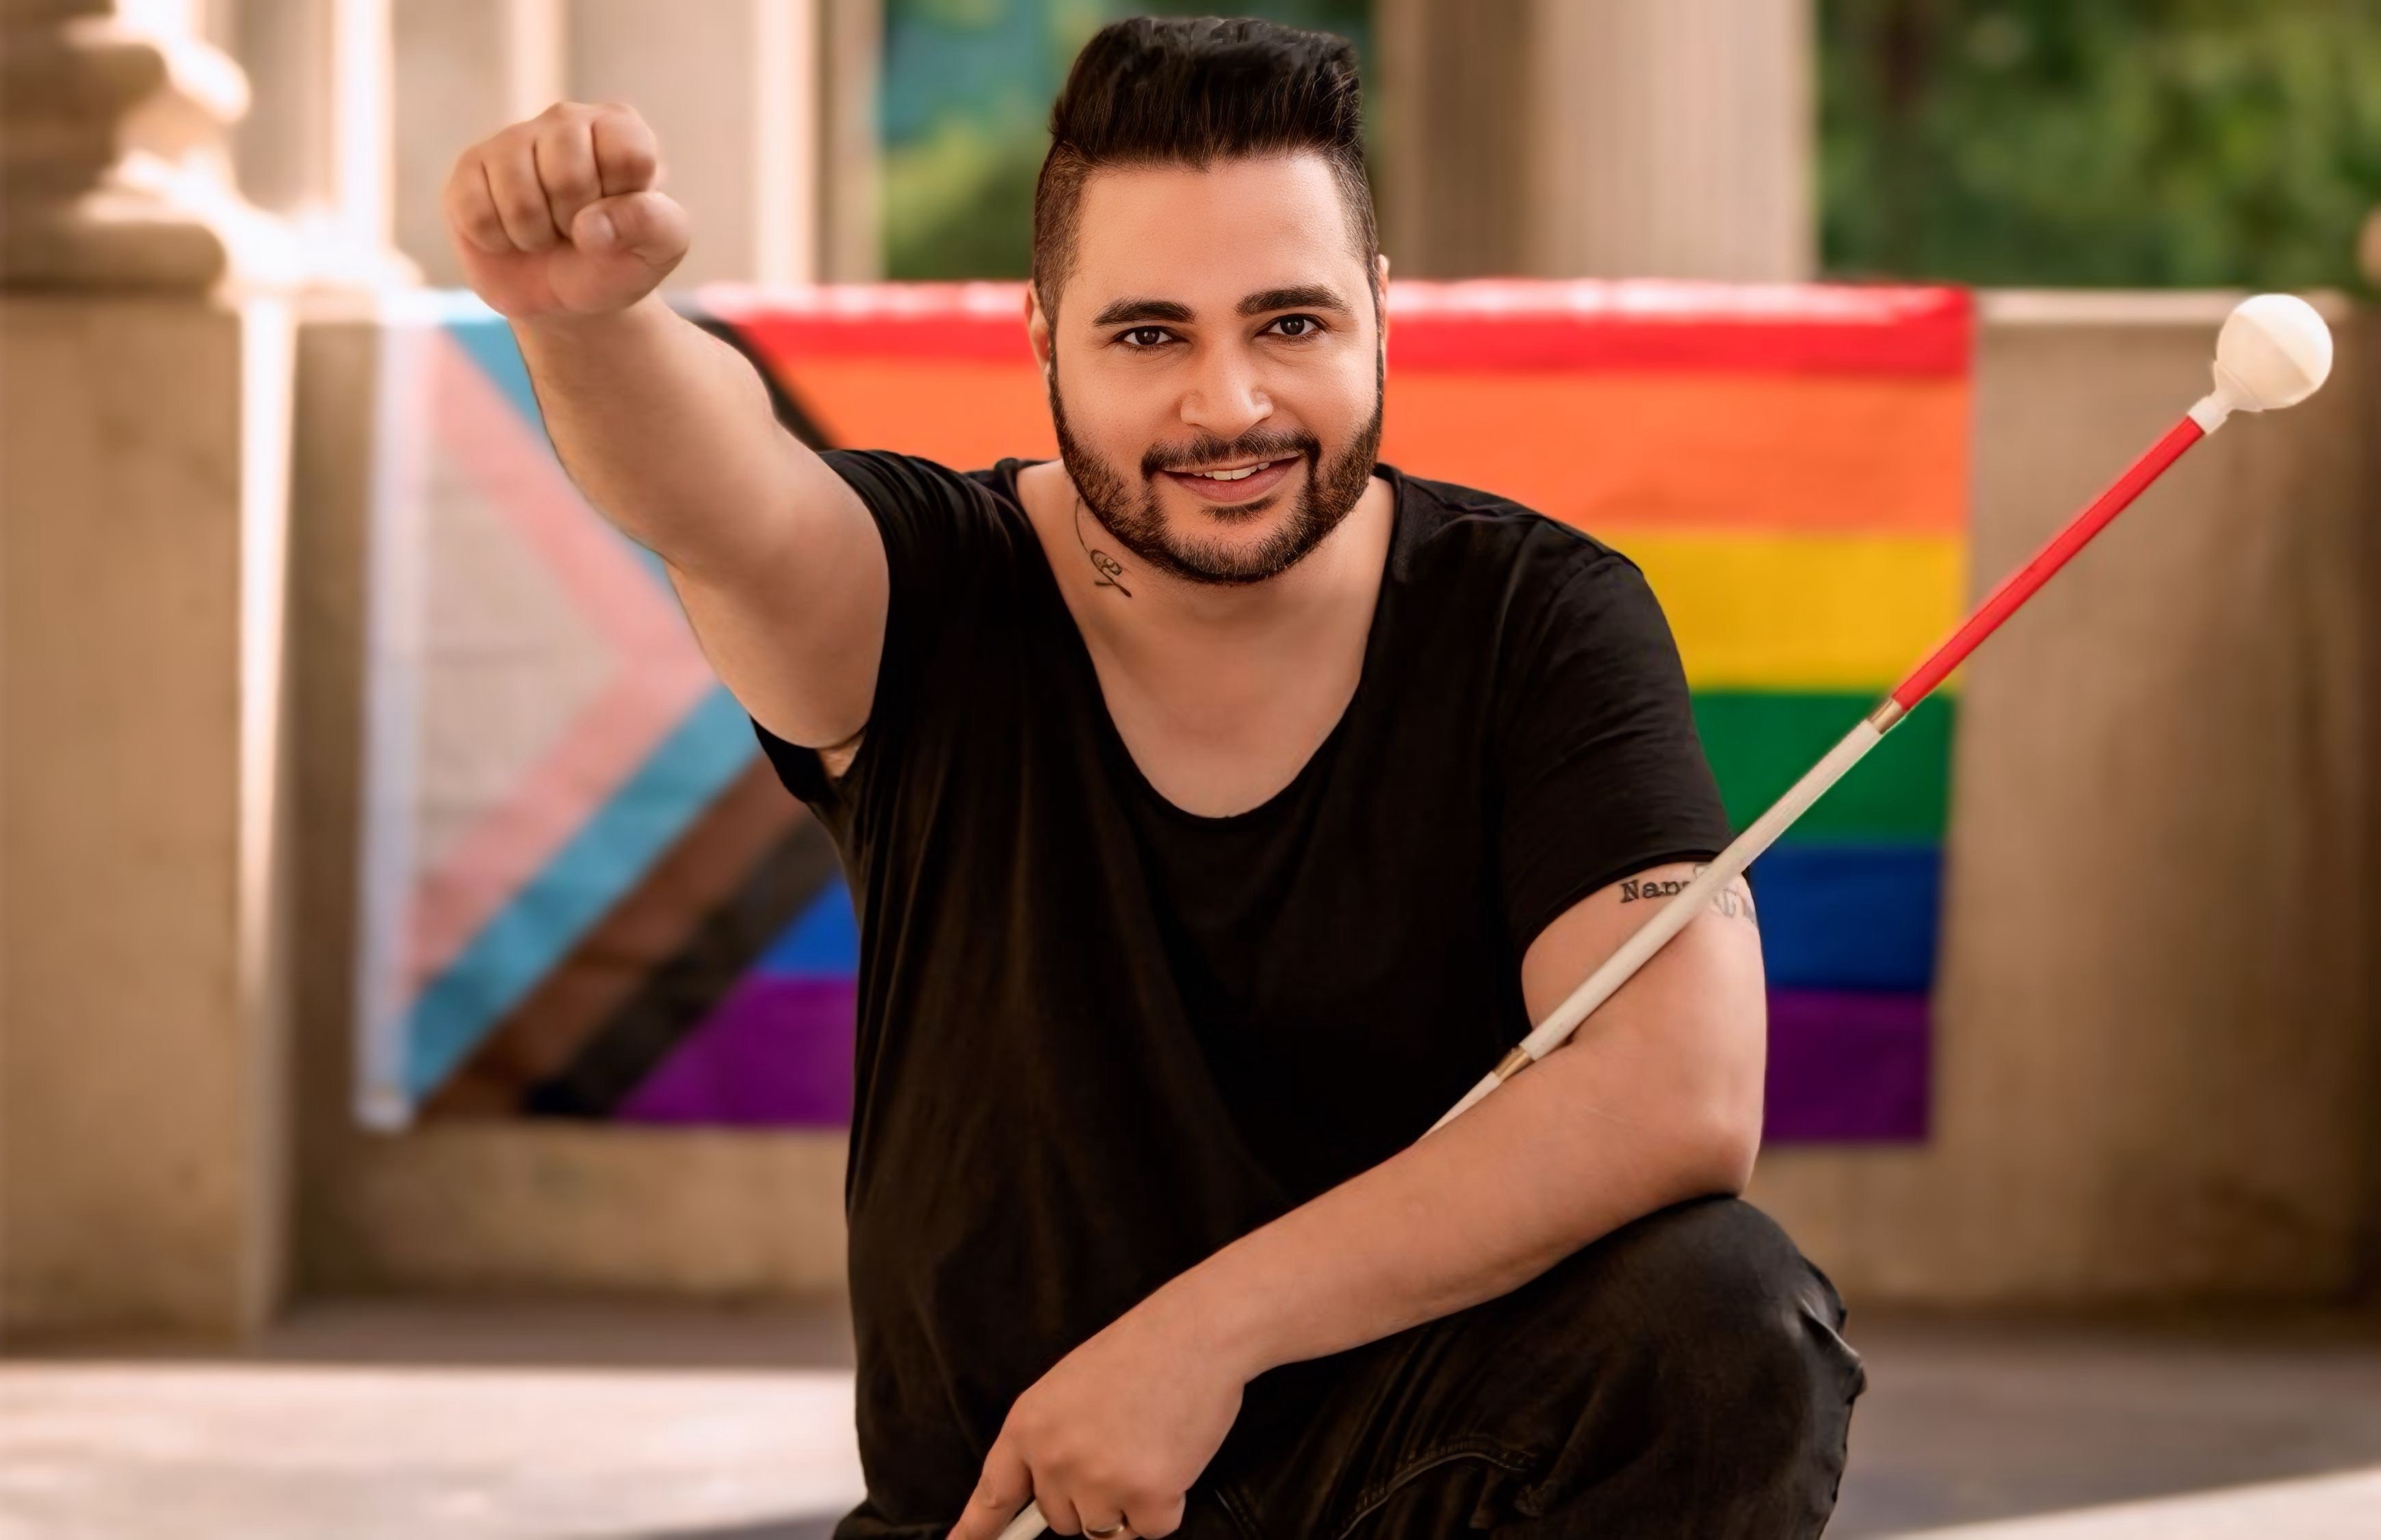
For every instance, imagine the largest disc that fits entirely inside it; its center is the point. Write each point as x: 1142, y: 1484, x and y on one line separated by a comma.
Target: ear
x: 1037, y: 329
x: 1381, y: 283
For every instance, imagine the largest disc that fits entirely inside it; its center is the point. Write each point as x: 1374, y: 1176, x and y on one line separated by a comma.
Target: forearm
x: 666, y: 429
x: 1532, y: 1173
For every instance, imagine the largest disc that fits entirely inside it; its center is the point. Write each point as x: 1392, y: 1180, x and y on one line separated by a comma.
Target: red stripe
x: 1586, y: 325
x: 2019, y: 585
x: 1489, y: 323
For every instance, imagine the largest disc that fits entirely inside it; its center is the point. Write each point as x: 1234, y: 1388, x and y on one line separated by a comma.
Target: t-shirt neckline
x: 1112, y: 738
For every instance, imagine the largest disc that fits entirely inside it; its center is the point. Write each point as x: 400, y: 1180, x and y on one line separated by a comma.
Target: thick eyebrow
x: 1306, y: 296
x: 1315, y: 296
x: 1122, y: 310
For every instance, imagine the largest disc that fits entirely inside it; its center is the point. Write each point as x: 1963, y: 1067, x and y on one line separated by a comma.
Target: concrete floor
x: 607, y: 1423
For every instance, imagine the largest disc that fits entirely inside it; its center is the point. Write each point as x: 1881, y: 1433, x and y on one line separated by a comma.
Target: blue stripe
x: 822, y: 943
x: 553, y: 910
x: 1849, y: 916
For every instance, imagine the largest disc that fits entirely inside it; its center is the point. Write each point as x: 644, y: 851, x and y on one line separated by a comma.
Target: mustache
x: 1208, y: 449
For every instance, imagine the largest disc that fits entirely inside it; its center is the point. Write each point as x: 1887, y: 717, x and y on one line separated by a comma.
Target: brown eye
x: 1296, y: 325
x: 1145, y: 337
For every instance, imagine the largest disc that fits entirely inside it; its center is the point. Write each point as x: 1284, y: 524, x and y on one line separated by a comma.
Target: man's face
x: 1215, y: 321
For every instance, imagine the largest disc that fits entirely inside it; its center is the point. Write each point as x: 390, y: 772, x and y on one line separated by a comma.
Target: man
x: 1220, y: 806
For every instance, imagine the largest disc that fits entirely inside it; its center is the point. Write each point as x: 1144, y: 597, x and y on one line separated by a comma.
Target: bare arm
x: 1655, y: 1100
x: 561, y: 228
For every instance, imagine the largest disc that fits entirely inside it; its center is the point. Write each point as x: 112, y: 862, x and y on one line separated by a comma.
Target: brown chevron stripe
x: 674, y: 999
x: 652, y: 924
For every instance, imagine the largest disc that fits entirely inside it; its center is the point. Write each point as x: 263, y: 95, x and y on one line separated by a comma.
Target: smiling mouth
x: 1233, y: 474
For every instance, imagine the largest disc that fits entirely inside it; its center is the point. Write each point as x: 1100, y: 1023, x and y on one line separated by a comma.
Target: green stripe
x: 1759, y: 742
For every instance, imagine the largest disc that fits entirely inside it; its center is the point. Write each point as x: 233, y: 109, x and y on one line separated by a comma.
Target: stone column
x: 765, y: 109
x: 850, y: 234
x: 144, y: 417
x: 316, y: 144
x: 1623, y: 139
x: 461, y: 69
x: 729, y: 87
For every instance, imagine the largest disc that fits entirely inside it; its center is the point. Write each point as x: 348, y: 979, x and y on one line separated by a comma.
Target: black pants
x: 1682, y: 1377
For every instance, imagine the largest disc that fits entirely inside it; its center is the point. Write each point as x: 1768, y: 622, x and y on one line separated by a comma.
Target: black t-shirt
x: 1099, y: 1036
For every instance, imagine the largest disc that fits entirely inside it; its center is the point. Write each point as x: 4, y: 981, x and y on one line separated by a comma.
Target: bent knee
x: 1714, y: 1377
x: 1713, y: 1295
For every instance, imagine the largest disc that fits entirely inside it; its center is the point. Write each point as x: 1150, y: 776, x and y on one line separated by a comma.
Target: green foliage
x: 2139, y: 142
x: 959, y: 203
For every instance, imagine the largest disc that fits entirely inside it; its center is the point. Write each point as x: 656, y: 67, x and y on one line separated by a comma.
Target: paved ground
x: 615, y: 1422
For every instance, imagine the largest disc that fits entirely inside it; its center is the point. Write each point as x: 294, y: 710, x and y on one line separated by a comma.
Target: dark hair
x: 1155, y: 90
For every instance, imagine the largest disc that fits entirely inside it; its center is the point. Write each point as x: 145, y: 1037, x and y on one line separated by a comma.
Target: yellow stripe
x: 1802, y: 612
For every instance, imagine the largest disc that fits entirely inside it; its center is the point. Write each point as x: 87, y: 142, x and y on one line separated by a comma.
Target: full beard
x: 1327, y: 494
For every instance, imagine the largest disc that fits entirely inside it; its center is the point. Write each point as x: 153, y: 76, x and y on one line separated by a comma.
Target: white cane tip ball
x: 2274, y: 351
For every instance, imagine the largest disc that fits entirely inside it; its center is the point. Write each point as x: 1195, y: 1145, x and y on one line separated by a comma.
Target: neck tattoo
x: 1106, y: 566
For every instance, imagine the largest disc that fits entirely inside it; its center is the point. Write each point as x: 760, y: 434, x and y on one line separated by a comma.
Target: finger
x: 628, y: 157
x: 999, y: 1492
x: 564, y: 152
x: 512, y: 183
x: 1153, y: 1520
x: 648, y: 225
x: 1058, y: 1510
x: 471, y: 208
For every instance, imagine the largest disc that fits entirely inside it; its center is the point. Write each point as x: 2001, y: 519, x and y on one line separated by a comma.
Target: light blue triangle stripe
x: 525, y: 940
x: 487, y: 340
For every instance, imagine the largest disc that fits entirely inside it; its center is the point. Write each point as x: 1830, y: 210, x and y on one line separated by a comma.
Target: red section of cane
x: 2018, y: 586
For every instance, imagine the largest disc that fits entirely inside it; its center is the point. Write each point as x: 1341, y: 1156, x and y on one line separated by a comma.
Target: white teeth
x: 1239, y: 475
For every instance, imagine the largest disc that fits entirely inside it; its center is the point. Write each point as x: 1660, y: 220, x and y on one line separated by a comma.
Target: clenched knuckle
x: 564, y: 165
x: 521, y: 205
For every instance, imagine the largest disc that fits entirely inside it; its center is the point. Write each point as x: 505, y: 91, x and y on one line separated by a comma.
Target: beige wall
x: 2157, y: 1058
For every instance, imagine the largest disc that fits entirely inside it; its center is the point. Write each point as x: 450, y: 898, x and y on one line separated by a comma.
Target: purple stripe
x: 776, y: 1053
x: 1847, y: 1066
x: 1844, y: 1066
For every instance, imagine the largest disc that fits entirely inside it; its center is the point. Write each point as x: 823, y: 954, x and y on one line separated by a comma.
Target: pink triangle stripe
x: 660, y: 674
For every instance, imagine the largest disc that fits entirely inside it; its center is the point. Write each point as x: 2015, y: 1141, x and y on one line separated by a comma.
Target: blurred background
x: 426, y: 1057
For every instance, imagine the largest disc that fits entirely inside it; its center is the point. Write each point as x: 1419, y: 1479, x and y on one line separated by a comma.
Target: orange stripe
x: 963, y: 413
x: 1812, y: 455
x: 1815, y: 454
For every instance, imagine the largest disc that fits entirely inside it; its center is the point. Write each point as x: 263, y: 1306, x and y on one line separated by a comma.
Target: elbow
x: 1717, y: 1150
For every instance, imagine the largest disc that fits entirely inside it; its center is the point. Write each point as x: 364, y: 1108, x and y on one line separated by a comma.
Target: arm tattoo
x: 1106, y: 566
x: 1727, y: 901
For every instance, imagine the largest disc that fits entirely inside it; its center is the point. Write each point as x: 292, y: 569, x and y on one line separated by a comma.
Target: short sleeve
x: 1599, y: 770
x: 951, y: 554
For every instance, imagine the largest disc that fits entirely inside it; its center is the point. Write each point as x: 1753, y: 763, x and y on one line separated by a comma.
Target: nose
x: 1225, y: 397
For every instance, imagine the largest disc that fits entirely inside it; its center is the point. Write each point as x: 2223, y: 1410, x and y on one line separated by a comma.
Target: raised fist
x: 559, y: 216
